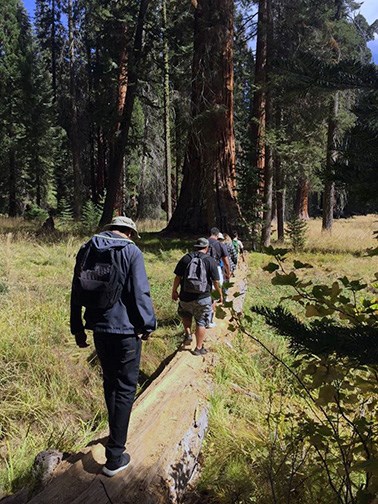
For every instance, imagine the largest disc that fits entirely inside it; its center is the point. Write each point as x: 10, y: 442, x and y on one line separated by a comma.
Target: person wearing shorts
x: 197, y: 306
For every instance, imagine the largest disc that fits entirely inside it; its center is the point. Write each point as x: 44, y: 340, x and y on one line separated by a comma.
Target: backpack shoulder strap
x: 83, y: 256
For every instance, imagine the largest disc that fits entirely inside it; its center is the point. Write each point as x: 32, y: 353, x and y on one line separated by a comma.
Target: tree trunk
x: 258, y: 123
x: 301, y: 199
x: 208, y: 192
x: 268, y: 184
x: 12, y: 185
x: 120, y: 106
x: 167, y: 123
x: 329, y: 186
x: 116, y: 164
x: 101, y: 162
x: 258, y: 116
x: 179, y: 156
x: 280, y: 199
x: 141, y: 208
x: 53, y: 50
x: 74, y: 127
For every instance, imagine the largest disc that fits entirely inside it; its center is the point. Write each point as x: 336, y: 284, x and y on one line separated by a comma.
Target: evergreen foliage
x: 324, y: 338
x: 90, y: 217
x: 61, y: 96
x: 297, y: 229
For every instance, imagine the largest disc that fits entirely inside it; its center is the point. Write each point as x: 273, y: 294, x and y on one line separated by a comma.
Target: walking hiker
x: 239, y: 247
x: 233, y: 257
x: 110, y: 281
x: 196, y: 273
x: 220, y: 254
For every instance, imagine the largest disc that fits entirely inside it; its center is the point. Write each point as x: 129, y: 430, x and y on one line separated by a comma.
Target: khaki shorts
x: 200, y: 309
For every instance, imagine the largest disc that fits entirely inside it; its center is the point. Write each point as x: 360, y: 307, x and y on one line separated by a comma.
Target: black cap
x: 201, y: 243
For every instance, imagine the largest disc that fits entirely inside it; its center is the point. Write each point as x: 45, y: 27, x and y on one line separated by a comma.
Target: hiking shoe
x: 199, y: 351
x: 113, y: 467
x: 188, y: 338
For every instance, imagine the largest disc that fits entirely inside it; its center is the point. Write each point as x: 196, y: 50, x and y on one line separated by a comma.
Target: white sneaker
x: 211, y: 324
x: 112, y: 468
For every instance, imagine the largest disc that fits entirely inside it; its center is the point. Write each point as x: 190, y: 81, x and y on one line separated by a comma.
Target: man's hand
x: 175, y: 295
x: 81, y: 339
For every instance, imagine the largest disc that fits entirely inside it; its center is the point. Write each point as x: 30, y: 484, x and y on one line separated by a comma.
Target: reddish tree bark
x: 116, y: 163
x: 301, y: 200
x: 208, y: 191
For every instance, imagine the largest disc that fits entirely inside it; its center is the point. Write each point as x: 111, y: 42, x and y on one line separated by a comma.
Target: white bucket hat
x: 122, y: 221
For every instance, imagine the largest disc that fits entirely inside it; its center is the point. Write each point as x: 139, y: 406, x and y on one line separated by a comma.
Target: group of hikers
x: 110, y: 282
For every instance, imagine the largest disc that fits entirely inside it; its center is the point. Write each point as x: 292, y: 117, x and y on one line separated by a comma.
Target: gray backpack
x: 195, y: 276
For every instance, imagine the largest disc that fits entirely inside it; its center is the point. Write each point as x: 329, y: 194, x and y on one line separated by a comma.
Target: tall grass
x: 353, y: 235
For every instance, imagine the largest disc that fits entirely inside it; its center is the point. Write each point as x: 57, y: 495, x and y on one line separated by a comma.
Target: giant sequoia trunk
x: 208, y: 193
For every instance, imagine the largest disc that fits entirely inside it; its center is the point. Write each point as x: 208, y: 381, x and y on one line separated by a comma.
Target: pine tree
x: 14, y: 75
x: 41, y: 134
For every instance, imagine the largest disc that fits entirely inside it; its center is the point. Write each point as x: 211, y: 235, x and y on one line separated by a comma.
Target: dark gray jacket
x: 133, y: 313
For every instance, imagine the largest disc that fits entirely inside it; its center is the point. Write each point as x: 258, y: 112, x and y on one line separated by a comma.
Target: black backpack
x: 215, y: 251
x: 195, y: 276
x: 98, y: 279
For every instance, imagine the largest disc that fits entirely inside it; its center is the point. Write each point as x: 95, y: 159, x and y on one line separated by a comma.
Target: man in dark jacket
x: 220, y: 254
x: 117, y: 332
x: 197, y: 305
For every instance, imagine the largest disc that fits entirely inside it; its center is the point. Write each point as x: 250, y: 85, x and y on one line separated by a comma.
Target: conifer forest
x: 258, y: 117
x: 201, y: 112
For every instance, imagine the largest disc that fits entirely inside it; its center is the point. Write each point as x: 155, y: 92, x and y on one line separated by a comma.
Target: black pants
x: 119, y: 357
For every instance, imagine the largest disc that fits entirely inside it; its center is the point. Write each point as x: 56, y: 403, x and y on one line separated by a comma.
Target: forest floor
x: 167, y: 427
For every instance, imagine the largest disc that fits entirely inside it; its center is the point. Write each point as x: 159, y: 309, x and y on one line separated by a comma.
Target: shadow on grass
x: 149, y: 242
x: 155, y: 242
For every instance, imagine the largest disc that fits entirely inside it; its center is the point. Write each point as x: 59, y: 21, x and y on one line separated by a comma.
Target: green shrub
x: 34, y: 212
x: 297, y: 230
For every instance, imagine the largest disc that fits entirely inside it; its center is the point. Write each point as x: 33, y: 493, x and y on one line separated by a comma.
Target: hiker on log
x: 219, y: 251
x: 110, y: 281
x: 196, y: 273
